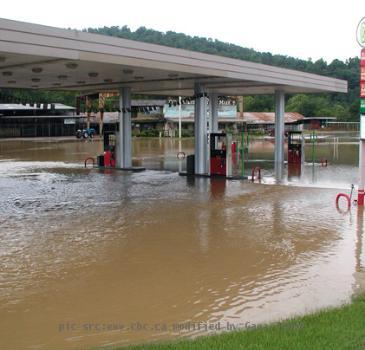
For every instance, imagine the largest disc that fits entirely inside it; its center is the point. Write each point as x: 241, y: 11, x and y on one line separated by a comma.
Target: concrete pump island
x: 110, y: 240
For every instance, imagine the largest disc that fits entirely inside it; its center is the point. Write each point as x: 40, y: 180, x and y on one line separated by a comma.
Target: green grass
x: 339, y: 328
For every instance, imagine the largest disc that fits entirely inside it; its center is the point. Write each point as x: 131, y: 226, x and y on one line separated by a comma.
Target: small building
x: 266, y: 120
x: 229, y: 119
x: 37, y: 120
x: 48, y: 120
x: 147, y: 114
x: 314, y: 123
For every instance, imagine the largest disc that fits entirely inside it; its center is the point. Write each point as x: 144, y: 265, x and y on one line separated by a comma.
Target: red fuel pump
x: 294, y: 147
x: 218, y: 154
x: 107, y: 159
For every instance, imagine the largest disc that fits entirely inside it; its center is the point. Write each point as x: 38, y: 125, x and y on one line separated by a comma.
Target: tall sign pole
x: 361, y: 40
x: 102, y: 98
x: 179, y: 119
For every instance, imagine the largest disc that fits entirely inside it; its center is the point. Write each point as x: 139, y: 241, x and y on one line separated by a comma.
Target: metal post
x: 279, y: 132
x: 360, y: 196
x: 243, y: 153
x: 88, y: 112
x: 240, y: 106
x: 200, y: 125
x: 361, y: 193
x: 179, y: 117
x: 229, y: 155
x: 213, y: 112
x: 314, y: 138
x: 124, y: 137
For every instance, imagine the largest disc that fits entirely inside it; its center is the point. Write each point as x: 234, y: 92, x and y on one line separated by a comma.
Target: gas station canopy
x: 41, y: 57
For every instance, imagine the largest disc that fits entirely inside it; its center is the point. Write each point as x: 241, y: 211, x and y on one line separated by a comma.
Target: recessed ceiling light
x: 138, y: 77
x: 62, y: 77
x: 93, y: 74
x: 81, y: 82
x: 7, y: 74
x: 108, y: 80
x: 36, y: 80
x: 71, y: 65
x: 173, y: 75
x: 11, y: 81
x: 37, y: 70
x: 128, y: 71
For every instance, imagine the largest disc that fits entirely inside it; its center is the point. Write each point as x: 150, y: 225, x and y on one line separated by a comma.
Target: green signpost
x: 362, y: 106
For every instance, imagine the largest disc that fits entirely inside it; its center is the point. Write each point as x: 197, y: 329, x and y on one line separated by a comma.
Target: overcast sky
x: 308, y: 28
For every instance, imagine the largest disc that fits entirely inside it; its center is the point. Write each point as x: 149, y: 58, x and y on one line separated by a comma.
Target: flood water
x: 93, y: 258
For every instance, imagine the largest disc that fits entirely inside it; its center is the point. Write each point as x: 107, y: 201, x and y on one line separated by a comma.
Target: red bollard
x: 360, y: 197
x: 234, y: 147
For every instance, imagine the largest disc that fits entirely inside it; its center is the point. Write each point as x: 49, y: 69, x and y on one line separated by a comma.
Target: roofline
x: 35, y: 39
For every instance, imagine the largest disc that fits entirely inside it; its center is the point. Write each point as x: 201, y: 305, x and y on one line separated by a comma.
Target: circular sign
x: 360, y: 32
x: 180, y: 155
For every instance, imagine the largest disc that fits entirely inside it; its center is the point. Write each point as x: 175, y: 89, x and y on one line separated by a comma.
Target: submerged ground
x: 92, y: 258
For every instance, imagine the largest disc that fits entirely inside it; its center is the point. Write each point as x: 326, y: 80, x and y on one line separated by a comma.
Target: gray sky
x: 306, y: 28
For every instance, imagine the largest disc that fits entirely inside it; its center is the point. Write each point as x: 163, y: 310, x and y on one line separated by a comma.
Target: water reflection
x: 294, y: 172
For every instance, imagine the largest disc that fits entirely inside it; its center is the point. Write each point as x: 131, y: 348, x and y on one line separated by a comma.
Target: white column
x: 200, y: 126
x: 124, y: 137
x: 213, y: 112
x: 228, y: 155
x: 360, y: 198
x: 279, y: 132
x: 179, y: 117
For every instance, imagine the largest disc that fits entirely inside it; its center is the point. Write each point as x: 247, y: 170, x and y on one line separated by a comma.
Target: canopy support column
x: 200, y: 126
x: 213, y: 112
x: 124, y: 141
x: 279, y: 133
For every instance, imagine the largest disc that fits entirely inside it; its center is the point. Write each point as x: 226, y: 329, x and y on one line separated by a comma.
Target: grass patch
x: 338, y: 328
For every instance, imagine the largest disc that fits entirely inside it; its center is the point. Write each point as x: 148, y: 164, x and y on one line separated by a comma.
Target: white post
x: 200, y: 126
x: 124, y: 136
x: 303, y: 148
x: 213, y: 112
x: 180, y: 146
x: 229, y: 155
x: 279, y: 132
x: 179, y: 117
x: 360, y: 196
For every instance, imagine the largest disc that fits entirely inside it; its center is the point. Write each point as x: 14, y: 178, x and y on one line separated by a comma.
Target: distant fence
x: 346, y: 126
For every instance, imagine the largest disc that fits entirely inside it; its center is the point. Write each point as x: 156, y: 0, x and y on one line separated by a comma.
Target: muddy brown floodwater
x: 92, y: 258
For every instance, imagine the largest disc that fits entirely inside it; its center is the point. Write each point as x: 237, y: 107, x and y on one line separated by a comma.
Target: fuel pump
x: 107, y: 159
x: 218, y: 154
x: 294, y: 147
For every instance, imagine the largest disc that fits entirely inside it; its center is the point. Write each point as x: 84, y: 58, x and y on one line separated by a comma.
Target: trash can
x: 190, y: 164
